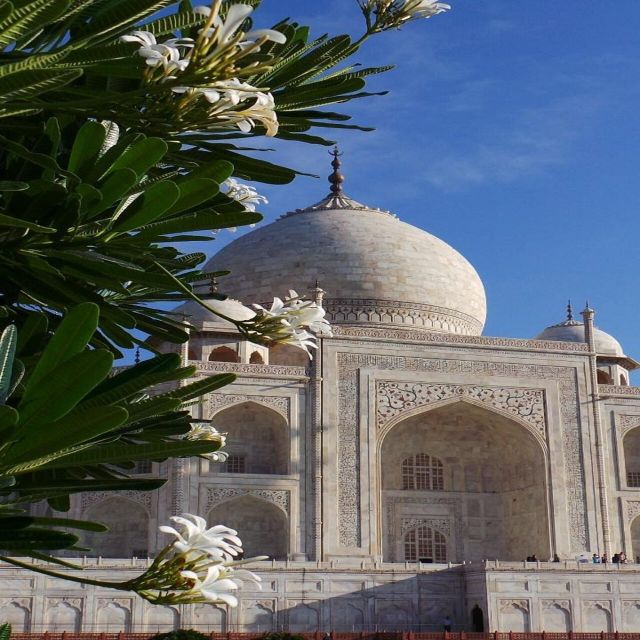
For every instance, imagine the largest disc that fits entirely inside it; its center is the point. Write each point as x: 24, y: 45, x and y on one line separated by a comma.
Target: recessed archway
x: 262, y: 526
x: 224, y: 354
x: 257, y: 439
x: 128, y: 524
x: 483, y: 487
x: 631, y: 446
x: 635, y: 540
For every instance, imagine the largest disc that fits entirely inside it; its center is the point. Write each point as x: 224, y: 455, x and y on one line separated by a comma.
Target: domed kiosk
x: 374, y: 268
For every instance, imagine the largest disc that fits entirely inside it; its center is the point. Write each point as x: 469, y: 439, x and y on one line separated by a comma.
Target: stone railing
x: 617, y: 390
x: 256, y: 370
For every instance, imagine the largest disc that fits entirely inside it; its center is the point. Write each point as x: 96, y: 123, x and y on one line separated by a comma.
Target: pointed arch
x: 223, y: 354
x: 493, y: 500
x: 262, y: 526
x: 631, y: 448
x: 128, y: 524
x: 257, y: 438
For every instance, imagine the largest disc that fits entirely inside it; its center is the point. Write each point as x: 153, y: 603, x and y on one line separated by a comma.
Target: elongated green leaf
x: 8, y: 418
x: 141, y: 156
x: 113, y: 189
x: 35, y: 538
x: 28, y: 18
x: 62, y: 487
x: 154, y: 406
x: 13, y: 185
x: 21, y: 522
x: 149, y: 206
x: 86, y: 147
x: 26, y: 84
x: 201, y: 387
x: 79, y: 426
x: 65, y: 387
x: 192, y: 193
x: 8, y: 341
x: 199, y: 222
x: 9, y: 221
x: 71, y: 337
x: 127, y: 453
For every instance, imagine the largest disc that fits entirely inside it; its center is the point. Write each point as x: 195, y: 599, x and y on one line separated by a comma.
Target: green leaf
x: 86, y: 147
x: 8, y: 418
x: 149, y: 206
x: 8, y: 341
x: 116, y: 185
x: 26, y: 84
x: 113, y: 453
x: 75, y: 428
x: 141, y: 156
x: 192, y: 193
x: 13, y: 185
x: 66, y: 385
x: 77, y: 486
x: 9, y: 221
x: 198, y: 222
x: 202, y: 387
x: 72, y: 336
x: 35, y: 538
x: 29, y: 17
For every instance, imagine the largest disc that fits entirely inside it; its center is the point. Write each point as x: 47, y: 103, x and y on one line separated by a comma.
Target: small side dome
x: 573, y: 331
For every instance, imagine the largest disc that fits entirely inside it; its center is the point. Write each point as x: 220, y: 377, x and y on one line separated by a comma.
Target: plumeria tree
x: 123, y: 131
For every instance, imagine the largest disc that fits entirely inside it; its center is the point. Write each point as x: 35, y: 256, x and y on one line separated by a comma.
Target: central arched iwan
x: 476, y: 477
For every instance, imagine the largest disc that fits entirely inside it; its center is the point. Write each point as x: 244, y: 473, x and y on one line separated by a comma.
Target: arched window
x: 256, y: 358
x: 423, y: 473
x: 623, y: 380
x: 603, y: 377
x: 223, y: 354
x: 426, y: 544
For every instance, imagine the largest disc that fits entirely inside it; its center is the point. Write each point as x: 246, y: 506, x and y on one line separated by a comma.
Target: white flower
x: 219, y: 542
x: 219, y: 582
x: 206, y: 432
x: 243, y: 194
x: 232, y: 309
x: 426, y: 8
x: 236, y: 15
x: 166, y: 54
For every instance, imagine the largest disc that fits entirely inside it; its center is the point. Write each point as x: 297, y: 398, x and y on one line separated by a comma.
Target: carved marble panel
x: 349, y: 364
x: 626, y: 423
x: 280, y: 404
x: 395, y: 398
x: 141, y: 497
x: 280, y: 497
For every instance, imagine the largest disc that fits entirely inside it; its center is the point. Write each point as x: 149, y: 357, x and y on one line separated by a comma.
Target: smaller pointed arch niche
x: 631, y: 446
x: 257, y: 439
x: 223, y: 354
x: 128, y: 524
x: 262, y: 526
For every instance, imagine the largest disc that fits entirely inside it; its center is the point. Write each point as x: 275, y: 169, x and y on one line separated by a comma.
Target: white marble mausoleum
x: 404, y: 474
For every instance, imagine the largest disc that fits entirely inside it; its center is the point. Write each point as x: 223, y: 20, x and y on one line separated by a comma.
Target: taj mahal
x: 403, y: 475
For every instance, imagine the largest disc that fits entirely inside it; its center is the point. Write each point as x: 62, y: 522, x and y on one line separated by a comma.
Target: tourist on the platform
x: 556, y: 558
x: 604, y: 558
x: 595, y: 558
x: 616, y: 558
x: 623, y: 558
x: 637, y: 559
x: 534, y: 558
x: 446, y: 623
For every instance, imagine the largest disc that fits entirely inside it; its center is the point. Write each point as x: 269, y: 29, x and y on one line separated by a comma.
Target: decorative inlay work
x: 271, y: 370
x: 394, y: 398
x: 339, y: 201
x: 633, y: 510
x: 24, y: 603
x: 605, y: 605
x: 408, y: 335
x: 281, y: 498
x: 443, y: 525
x: 76, y: 603
x: 141, y: 497
x: 123, y: 603
x: 349, y: 364
x: 280, y: 404
x: 615, y: 390
x: 395, y: 312
x: 626, y: 423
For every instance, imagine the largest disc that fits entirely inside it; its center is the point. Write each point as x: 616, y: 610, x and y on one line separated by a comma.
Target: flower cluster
x: 199, y: 566
x: 204, y: 74
x: 244, y: 194
x: 389, y: 14
x: 210, y: 433
x: 293, y: 321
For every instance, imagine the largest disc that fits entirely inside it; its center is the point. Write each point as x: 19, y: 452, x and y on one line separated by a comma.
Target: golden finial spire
x: 336, y: 179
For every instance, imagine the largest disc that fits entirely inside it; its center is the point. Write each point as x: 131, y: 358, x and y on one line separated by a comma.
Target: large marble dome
x: 374, y: 268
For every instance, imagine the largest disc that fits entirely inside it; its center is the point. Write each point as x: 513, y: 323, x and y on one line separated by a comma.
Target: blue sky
x: 511, y: 132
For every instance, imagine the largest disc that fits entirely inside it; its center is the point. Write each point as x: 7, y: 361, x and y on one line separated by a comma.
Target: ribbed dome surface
x: 374, y: 268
